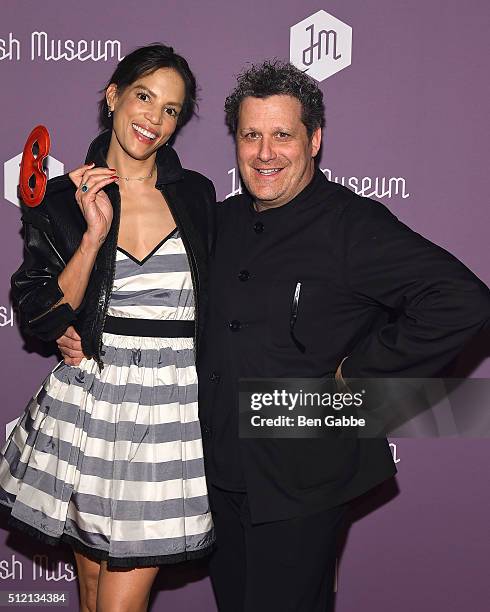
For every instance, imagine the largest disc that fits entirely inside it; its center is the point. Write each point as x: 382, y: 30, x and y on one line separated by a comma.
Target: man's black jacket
x: 372, y: 290
x: 54, y: 229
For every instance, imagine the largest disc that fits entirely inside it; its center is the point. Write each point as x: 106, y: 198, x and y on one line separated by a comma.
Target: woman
x: 108, y: 455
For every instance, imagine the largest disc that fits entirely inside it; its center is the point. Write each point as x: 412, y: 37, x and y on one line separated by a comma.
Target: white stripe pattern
x: 74, y: 467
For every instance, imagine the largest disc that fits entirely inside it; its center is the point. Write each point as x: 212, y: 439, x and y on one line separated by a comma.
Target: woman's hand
x: 94, y: 203
x: 70, y: 346
x: 96, y: 209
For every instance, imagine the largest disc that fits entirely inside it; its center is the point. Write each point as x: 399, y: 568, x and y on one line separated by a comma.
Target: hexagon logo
x: 11, y: 172
x: 321, y: 45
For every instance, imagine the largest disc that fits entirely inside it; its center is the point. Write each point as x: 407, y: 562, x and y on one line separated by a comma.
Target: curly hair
x: 272, y: 78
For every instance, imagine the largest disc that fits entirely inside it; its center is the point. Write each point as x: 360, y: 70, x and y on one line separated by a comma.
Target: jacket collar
x: 169, y: 168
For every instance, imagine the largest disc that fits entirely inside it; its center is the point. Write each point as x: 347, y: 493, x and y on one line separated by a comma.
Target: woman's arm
x: 47, y: 290
x: 35, y: 289
x: 97, y: 211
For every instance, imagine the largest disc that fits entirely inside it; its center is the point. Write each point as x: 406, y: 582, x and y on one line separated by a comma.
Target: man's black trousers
x: 282, y: 566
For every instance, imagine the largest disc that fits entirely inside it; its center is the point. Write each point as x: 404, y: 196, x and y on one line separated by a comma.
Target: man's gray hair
x: 275, y: 78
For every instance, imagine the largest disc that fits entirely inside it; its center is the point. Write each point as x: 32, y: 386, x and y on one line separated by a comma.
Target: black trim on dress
x: 152, y: 252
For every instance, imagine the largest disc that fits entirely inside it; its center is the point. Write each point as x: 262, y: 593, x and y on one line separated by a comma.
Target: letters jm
x: 322, y: 46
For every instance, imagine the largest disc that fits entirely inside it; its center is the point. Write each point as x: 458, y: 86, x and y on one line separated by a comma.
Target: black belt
x: 126, y: 326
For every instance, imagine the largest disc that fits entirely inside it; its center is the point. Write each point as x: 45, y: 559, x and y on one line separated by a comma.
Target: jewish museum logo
x: 7, y: 316
x: 380, y: 187
x: 11, y: 172
x: 43, y: 47
x: 321, y: 45
x: 44, y: 568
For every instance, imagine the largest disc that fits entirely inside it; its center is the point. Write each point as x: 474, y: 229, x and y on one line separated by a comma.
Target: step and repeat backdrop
x: 407, y: 96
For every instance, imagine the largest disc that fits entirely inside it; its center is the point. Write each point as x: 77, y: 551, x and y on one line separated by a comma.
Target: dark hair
x: 143, y: 61
x: 272, y: 78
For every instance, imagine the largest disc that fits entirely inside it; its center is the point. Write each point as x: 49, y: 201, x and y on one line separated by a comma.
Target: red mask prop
x: 33, y: 179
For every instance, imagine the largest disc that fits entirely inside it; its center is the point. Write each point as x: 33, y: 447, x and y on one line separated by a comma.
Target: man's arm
x: 440, y: 304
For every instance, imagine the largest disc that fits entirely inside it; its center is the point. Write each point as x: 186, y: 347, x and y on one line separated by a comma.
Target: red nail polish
x: 114, y: 176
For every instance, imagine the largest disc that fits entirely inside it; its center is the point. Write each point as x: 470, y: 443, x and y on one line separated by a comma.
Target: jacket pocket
x: 298, y: 314
x: 280, y: 296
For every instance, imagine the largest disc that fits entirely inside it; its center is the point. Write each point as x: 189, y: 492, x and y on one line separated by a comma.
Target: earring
x: 109, y: 112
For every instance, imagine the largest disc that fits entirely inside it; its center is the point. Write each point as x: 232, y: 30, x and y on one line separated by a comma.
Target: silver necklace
x: 137, y: 178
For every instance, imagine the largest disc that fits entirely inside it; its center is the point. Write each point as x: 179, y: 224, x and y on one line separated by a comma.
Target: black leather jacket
x: 54, y: 229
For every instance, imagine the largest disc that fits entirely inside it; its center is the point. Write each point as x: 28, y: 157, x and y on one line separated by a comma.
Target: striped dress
x: 111, y: 462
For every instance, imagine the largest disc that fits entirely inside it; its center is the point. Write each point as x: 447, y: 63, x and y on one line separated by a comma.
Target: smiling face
x: 146, y: 112
x: 275, y: 154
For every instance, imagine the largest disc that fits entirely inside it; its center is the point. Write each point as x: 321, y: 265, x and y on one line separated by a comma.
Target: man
x: 376, y: 299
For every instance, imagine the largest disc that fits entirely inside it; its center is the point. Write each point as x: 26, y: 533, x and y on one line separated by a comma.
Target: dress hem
x: 102, y: 555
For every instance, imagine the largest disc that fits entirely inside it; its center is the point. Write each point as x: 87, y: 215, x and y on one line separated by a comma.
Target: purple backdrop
x: 407, y: 121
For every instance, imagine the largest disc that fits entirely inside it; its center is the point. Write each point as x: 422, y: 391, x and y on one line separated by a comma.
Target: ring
x: 84, y: 188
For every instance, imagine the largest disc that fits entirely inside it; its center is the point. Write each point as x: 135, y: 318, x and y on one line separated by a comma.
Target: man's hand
x: 339, y: 379
x: 70, y: 346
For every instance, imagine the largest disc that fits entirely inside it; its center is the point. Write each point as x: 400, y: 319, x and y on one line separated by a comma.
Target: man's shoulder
x: 355, y: 206
x: 357, y: 212
x: 235, y: 201
x: 234, y: 205
x: 355, y: 217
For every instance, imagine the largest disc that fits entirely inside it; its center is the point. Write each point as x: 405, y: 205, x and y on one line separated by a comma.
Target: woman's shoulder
x: 197, y: 178
x: 59, y: 196
x: 201, y: 184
